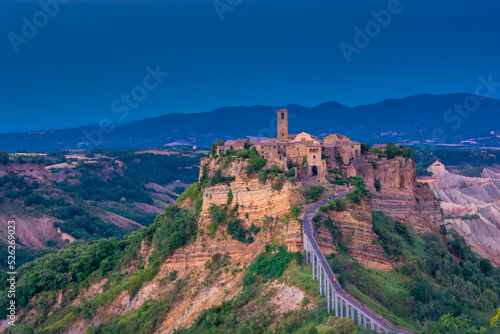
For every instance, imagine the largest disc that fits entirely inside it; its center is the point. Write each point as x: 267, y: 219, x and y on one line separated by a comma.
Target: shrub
x: 304, y: 161
x: 313, y: 193
x: 257, y: 163
x: 4, y: 158
x: 268, y: 265
x: 377, y: 185
x: 278, y: 184
x: 236, y: 230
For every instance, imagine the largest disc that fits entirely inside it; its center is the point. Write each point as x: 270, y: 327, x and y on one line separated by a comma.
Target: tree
x: 373, y: 162
x: 365, y: 148
x: 392, y: 150
x: 459, y: 325
x: 407, y: 152
x: 377, y: 185
x: 495, y: 320
x: 213, y: 148
x: 376, y: 150
x: 4, y: 158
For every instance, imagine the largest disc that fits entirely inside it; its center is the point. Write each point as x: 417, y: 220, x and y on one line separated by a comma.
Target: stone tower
x: 282, y: 124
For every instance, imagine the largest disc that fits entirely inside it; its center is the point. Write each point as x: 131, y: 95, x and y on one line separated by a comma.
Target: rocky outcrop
x: 397, y: 174
x: 358, y: 236
x: 236, y: 168
x: 255, y: 203
x: 32, y: 232
x: 253, y: 198
x: 461, y: 195
x: 399, y: 195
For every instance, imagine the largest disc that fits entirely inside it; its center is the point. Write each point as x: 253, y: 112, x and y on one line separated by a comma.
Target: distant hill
x: 412, y: 120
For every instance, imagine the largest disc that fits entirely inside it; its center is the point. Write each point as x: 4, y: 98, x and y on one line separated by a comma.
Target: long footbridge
x: 339, y: 302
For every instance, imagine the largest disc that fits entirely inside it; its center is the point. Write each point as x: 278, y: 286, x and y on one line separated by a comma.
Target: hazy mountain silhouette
x: 413, y: 118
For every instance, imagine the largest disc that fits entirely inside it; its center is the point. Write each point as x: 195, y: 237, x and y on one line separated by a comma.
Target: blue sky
x: 92, y: 53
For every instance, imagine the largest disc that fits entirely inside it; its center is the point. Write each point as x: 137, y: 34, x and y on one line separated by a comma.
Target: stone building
x: 313, y: 156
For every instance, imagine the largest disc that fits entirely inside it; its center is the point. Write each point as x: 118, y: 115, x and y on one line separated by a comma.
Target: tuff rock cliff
x: 358, y: 236
x: 400, y: 196
x: 461, y: 196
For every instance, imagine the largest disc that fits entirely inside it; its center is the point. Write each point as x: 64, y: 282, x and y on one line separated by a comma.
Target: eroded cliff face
x: 397, y: 174
x: 463, y: 195
x: 235, y: 168
x: 256, y: 204
x: 399, y: 195
x: 357, y: 234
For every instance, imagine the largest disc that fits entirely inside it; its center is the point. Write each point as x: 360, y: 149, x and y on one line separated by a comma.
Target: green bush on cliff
x: 313, y: 193
x: 254, y: 165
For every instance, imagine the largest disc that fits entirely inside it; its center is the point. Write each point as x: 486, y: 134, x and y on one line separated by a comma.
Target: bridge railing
x: 337, y: 298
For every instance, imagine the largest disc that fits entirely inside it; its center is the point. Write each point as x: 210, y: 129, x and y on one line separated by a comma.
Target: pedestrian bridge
x: 339, y: 302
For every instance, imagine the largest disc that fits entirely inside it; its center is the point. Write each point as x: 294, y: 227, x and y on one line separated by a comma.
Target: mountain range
x: 424, y: 119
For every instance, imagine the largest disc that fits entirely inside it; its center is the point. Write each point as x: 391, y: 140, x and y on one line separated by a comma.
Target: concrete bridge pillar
x: 364, y: 320
x: 318, y: 267
x: 336, y: 304
x: 328, y: 296
x: 313, y: 260
x: 341, y: 308
x: 320, y: 281
x: 352, y: 312
x: 359, y: 318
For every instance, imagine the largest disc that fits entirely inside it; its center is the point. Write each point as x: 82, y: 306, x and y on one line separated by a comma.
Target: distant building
x: 303, y: 150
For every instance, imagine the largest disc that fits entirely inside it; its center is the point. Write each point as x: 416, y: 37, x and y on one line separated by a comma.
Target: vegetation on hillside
x: 471, y: 161
x: 74, y: 267
x: 435, y: 275
x: 114, y: 181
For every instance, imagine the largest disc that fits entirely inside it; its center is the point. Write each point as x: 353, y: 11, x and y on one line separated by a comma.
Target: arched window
x: 282, y: 115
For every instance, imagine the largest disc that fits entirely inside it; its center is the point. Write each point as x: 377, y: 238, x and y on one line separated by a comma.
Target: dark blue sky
x: 263, y: 52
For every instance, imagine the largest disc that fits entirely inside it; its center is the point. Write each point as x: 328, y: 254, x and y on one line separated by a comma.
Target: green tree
x: 495, y: 319
x: 377, y: 185
x: 459, y: 325
x: 392, y: 150
x: 4, y: 158
x: 376, y: 150
x: 407, y: 152
x: 373, y: 162
x: 213, y: 148
x: 365, y: 148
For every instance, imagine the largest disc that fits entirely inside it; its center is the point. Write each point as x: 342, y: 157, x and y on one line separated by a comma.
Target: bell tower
x: 282, y: 124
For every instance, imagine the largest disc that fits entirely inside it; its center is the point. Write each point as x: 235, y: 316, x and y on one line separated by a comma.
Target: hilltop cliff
x: 472, y: 207
x: 400, y: 196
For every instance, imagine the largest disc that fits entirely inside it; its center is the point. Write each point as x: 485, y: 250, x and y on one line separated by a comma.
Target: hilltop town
x: 332, y: 156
